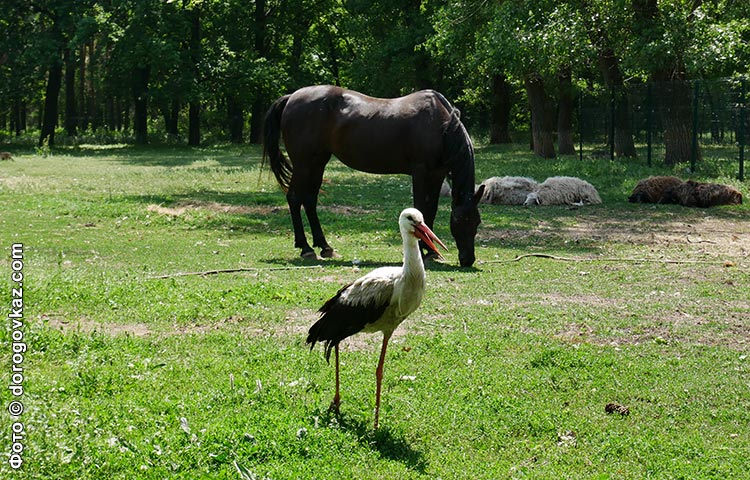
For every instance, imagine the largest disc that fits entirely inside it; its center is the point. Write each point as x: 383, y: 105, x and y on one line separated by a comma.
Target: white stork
x: 378, y: 301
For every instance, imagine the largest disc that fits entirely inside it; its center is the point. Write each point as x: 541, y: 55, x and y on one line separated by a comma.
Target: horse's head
x: 464, y: 223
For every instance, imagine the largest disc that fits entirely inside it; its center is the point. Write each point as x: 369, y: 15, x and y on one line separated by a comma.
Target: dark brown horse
x: 419, y: 135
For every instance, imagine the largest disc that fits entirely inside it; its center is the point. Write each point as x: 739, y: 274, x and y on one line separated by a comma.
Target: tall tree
x: 70, y: 94
x: 565, y: 110
x: 55, y: 20
x: 500, y: 105
x: 194, y: 45
x: 662, y: 32
x: 468, y: 65
x: 387, y: 37
x: 262, y: 50
x: 603, y: 22
x: 536, y: 41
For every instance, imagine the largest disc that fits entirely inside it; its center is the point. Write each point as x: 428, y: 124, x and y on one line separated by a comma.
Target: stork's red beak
x: 423, y: 232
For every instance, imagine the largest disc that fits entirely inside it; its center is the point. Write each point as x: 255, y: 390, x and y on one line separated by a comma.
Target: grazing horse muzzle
x: 466, y: 259
x: 464, y: 229
x: 465, y: 221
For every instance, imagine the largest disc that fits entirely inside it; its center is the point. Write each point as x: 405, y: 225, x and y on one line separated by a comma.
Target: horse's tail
x: 280, y: 165
x: 458, y: 152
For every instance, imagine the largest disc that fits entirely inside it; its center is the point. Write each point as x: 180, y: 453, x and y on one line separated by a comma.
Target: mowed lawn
x: 505, y: 371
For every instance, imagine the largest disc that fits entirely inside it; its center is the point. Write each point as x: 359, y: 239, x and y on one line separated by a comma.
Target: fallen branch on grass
x: 235, y: 270
x: 725, y: 263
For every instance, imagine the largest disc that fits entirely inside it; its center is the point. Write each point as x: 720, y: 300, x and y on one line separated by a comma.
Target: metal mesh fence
x: 711, y: 117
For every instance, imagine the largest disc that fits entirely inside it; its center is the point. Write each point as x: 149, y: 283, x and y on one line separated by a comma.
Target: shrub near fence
x: 715, y: 112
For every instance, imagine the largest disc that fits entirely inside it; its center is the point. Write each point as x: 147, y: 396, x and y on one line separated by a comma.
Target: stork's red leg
x: 379, y: 377
x: 337, y: 397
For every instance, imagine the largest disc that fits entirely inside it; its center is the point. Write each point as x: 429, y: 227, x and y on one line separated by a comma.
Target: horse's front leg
x: 426, y: 189
x: 300, y: 241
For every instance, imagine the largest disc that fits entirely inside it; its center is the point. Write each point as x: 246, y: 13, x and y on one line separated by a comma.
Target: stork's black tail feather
x: 339, y: 320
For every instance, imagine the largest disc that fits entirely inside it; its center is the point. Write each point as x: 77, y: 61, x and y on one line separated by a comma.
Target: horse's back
x: 327, y: 100
x: 378, y: 135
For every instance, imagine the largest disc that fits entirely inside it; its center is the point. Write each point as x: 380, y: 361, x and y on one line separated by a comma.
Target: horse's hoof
x: 309, y: 255
x: 329, y: 252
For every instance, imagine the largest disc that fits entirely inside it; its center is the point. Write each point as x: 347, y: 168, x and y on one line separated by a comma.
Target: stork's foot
x: 329, y: 252
x: 334, y: 407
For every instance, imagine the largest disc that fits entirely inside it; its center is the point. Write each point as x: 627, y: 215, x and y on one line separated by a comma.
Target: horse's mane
x: 458, y: 153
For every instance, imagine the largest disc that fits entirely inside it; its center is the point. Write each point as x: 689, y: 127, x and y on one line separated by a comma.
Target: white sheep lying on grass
x: 508, y: 190
x: 564, y: 191
x: 502, y: 190
x: 526, y: 191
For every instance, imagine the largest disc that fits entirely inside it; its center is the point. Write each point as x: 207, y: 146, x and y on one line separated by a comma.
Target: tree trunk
x: 194, y: 123
x: 500, y: 110
x: 194, y: 109
x: 51, y: 96
x: 92, y: 106
x: 109, y: 99
x: 83, y: 120
x: 257, y: 111
x: 542, y: 117
x: 333, y: 58
x: 123, y: 114
x: 565, y: 144
x: 109, y: 113
x: 70, y: 95
x: 18, y: 117
x: 256, y: 121
x: 675, y: 108
x: 303, y: 19
x: 609, y: 65
x: 235, y: 120
x: 140, y: 94
x: 672, y: 88
x: 717, y: 135
x: 171, y: 112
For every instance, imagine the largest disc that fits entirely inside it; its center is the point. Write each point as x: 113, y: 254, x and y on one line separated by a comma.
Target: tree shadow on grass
x: 390, y: 444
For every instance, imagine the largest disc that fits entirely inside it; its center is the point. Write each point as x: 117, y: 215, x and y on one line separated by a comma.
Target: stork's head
x: 411, y: 222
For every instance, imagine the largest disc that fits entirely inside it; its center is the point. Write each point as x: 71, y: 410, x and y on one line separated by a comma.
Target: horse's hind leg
x: 319, y: 240
x: 305, y: 184
x: 310, y: 202
x: 300, y: 241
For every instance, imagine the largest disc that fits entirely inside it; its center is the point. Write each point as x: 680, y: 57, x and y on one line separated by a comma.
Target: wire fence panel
x: 670, y: 122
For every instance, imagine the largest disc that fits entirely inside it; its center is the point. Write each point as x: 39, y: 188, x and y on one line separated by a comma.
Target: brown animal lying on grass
x: 703, y: 195
x: 653, y: 189
x: 6, y: 156
x: 688, y: 194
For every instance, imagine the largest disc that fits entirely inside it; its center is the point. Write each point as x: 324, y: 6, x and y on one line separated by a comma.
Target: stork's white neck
x: 413, y: 265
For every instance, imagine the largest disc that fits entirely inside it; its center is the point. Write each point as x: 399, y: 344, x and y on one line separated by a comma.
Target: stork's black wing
x: 352, y: 308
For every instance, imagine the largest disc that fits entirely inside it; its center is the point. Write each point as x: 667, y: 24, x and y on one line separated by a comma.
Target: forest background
x: 205, y: 71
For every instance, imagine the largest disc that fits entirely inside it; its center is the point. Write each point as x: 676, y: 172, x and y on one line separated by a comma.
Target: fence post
x: 649, y: 119
x: 612, y: 124
x: 694, y: 146
x: 580, y: 124
x: 741, y: 129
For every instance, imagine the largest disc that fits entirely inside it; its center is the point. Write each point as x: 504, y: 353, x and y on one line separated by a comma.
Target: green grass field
x: 503, y: 372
